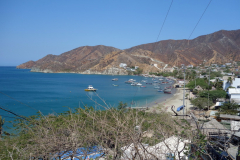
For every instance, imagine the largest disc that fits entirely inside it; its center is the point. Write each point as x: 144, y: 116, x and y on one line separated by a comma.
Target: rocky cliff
x: 219, y: 47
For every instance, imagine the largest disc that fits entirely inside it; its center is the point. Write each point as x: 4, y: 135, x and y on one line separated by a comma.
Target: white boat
x: 115, y: 79
x: 130, y: 81
x: 136, y: 84
x: 133, y: 80
x: 90, y: 88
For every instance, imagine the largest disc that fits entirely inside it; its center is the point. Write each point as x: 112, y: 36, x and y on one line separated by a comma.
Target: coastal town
x: 209, y: 95
x: 212, y: 97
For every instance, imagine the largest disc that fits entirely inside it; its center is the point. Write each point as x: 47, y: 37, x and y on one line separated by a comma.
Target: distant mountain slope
x: 76, y: 60
x: 219, y: 47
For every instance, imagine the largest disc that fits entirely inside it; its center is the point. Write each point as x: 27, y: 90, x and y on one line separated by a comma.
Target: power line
x: 164, y: 20
x: 200, y: 19
x: 159, y: 34
x: 9, y: 117
x: 18, y: 101
x: 12, y: 113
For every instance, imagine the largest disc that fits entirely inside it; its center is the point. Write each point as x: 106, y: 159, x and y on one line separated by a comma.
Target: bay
x: 24, y: 92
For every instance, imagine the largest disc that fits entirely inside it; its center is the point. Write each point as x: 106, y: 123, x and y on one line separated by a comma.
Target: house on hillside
x: 169, y: 69
x: 199, y: 88
x: 228, y: 64
x: 190, y: 66
x: 123, y: 65
x: 214, y: 65
x: 214, y: 70
x: 203, y: 76
x: 223, y: 66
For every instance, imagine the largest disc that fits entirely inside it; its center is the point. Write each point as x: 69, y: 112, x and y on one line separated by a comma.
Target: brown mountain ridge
x: 219, y: 47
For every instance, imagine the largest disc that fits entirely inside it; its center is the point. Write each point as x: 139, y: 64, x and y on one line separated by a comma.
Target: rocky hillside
x: 219, y: 47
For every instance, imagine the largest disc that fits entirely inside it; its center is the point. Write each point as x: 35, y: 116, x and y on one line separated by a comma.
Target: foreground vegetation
x: 54, y: 135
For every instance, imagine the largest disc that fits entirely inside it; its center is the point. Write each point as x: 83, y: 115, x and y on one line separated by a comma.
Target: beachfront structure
x: 180, y: 83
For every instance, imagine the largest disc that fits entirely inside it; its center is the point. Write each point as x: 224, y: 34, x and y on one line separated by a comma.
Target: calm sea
x: 25, y: 92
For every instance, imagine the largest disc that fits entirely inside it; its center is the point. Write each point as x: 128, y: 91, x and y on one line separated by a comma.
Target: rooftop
x: 226, y: 116
x: 234, y: 90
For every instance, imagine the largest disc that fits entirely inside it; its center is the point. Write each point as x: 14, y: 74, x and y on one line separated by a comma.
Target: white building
x: 228, y: 64
x: 123, y: 65
x: 234, y: 94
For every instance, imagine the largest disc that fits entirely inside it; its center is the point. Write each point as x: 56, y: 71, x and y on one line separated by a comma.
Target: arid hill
x: 219, y: 47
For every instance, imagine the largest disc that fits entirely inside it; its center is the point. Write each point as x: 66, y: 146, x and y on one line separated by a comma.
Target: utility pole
x: 184, y: 87
x: 209, y: 84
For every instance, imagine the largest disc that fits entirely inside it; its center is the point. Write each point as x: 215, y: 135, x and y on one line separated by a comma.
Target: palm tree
x: 229, y: 80
x: 218, y: 84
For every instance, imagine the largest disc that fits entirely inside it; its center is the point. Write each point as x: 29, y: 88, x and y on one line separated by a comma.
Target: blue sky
x: 31, y: 29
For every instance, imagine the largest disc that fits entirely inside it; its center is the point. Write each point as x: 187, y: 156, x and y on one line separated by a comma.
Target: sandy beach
x: 176, y: 100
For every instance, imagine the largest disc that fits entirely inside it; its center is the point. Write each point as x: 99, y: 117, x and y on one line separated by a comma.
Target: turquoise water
x: 25, y: 92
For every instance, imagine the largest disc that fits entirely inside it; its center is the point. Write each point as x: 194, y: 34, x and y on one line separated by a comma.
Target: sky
x: 32, y: 29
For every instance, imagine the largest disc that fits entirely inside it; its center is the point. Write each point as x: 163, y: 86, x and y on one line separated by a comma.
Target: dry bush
x: 115, y: 134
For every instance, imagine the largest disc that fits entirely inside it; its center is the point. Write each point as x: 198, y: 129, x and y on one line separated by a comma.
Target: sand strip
x: 176, y: 100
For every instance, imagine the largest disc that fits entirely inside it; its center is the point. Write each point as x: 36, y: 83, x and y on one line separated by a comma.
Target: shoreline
x: 176, y: 100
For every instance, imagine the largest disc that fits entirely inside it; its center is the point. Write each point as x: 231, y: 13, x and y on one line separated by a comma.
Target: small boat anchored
x: 167, y: 91
x: 130, y: 81
x: 90, y: 88
x: 136, y: 84
x: 115, y: 79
